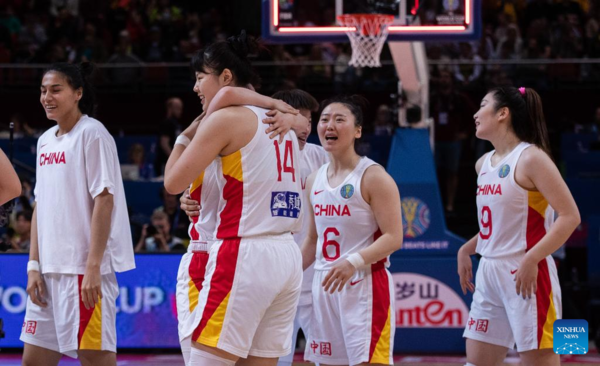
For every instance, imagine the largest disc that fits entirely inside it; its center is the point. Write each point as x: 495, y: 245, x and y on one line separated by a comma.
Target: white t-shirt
x: 72, y: 170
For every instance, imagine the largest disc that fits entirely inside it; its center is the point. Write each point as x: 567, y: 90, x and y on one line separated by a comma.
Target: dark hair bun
x: 244, y: 45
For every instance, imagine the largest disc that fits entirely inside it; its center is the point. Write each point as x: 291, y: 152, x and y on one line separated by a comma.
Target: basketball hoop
x: 367, y: 38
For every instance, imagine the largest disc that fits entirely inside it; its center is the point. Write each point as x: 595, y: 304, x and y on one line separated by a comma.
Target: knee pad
x: 202, y: 358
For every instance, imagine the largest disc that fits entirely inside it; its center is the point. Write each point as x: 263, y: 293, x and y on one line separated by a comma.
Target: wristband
x: 33, y: 266
x: 182, y: 140
x: 356, y: 260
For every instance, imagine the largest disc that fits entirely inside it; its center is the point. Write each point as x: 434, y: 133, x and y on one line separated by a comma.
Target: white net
x: 371, y: 31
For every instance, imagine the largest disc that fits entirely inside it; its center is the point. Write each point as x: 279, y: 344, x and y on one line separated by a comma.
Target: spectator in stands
x: 123, y: 55
x: 137, y: 157
x: 167, y: 132
x: 22, y: 128
x: 157, y: 237
x: 453, y: 115
x: 468, y: 74
x: 512, y: 41
x: 92, y: 48
x: 383, y: 125
x: 20, y: 238
x: 177, y: 219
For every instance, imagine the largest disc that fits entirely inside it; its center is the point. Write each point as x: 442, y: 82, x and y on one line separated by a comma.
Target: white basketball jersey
x: 511, y: 219
x: 205, y: 191
x: 345, y: 222
x: 312, y: 157
x: 262, y: 190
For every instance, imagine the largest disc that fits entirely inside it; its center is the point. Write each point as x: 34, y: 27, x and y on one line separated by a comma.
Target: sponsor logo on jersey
x: 489, y: 190
x: 504, y: 170
x: 570, y: 337
x: 415, y: 217
x: 285, y: 204
x: 347, y: 191
x: 352, y: 283
x: 52, y: 158
x: 425, y: 302
x: 332, y: 210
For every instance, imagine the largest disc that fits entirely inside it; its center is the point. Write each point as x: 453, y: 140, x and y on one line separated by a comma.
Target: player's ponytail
x: 233, y: 54
x: 79, y: 76
x: 87, y: 103
x: 526, y: 112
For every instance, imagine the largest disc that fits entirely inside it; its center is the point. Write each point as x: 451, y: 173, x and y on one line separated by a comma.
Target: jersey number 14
x: 288, y: 160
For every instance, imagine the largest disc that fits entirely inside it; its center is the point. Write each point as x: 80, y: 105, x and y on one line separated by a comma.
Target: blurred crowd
x: 136, y: 31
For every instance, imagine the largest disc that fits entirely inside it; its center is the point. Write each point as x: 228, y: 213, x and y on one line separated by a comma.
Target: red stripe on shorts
x: 381, y: 303
x: 84, y: 314
x: 197, y: 268
x: 542, y: 296
x: 221, y: 281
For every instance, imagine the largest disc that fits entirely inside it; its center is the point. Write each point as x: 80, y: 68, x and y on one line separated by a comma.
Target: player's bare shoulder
x: 376, y: 178
x: 479, y: 163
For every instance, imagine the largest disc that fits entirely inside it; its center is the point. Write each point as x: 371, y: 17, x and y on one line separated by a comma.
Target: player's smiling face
x: 337, y: 128
x: 206, y: 87
x: 57, y: 96
x: 487, y: 117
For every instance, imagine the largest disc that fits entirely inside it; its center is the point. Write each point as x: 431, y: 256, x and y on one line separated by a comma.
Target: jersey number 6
x: 331, y: 243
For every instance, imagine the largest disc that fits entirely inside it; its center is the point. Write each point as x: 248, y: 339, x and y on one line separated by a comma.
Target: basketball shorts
x: 499, y: 316
x: 65, y: 325
x: 189, y: 283
x: 302, y: 321
x: 354, y: 325
x: 249, y: 297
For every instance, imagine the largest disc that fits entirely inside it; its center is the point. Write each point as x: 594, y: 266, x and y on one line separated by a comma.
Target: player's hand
x: 190, y: 131
x: 280, y: 123
x: 91, y: 287
x: 526, y: 279
x: 338, y: 276
x: 36, y: 288
x: 188, y: 205
x: 465, y: 271
x: 283, y: 107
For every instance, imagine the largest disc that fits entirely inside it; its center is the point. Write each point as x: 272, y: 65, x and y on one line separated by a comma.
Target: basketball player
x: 355, y: 224
x: 311, y: 158
x: 519, y: 189
x: 204, y: 194
x: 10, y: 185
x: 253, y: 275
x: 80, y: 233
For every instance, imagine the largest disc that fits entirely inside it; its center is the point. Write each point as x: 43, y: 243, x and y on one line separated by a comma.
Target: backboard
x: 309, y: 21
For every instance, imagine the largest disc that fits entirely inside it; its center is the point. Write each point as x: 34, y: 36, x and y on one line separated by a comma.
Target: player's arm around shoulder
x: 309, y: 246
x: 381, y: 192
x: 223, y: 132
